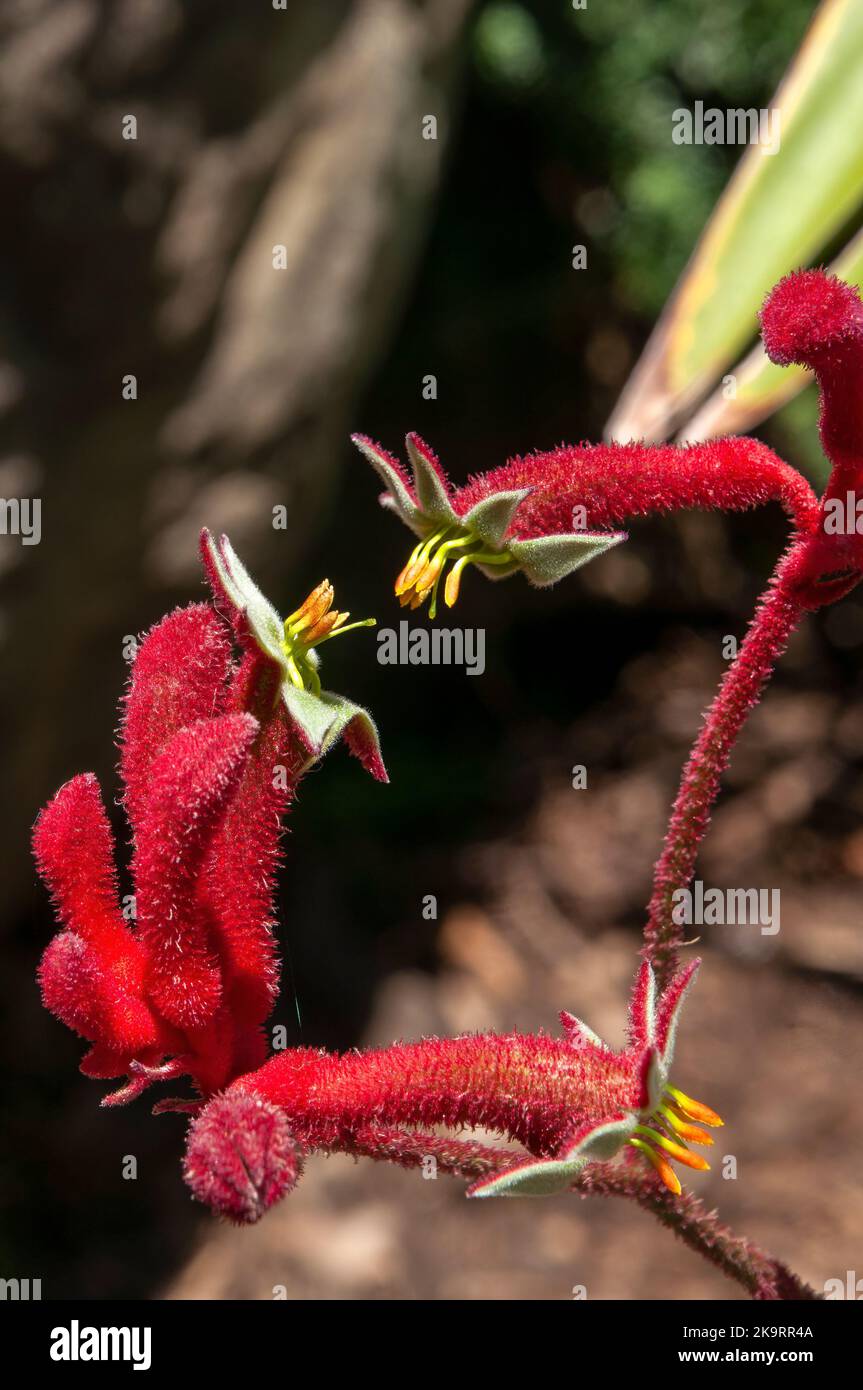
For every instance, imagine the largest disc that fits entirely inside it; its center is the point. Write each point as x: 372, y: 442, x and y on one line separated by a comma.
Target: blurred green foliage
x: 602, y: 82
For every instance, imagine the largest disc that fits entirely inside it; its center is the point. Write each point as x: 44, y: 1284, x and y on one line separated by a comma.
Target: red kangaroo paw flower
x: 616, y: 483
x: 527, y: 1088
x: 238, y: 874
x: 569, y: 1103
x: 191, y: 782
x: 211, y: 756
x: 549, y: 513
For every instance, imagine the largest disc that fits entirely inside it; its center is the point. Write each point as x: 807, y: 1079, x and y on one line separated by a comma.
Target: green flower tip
x: 319, y: 717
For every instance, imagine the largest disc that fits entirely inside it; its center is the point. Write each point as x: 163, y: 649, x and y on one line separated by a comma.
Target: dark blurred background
x: 407, y: 257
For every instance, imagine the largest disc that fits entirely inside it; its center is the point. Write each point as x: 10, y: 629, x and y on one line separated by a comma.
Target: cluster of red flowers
x: 210, y: 761
x: 212, y: 751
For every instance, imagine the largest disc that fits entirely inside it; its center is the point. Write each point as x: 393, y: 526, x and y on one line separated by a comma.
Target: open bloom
x: 549, y: 513
x: 638, y: 1106
x: 567, y: 1101
x: 476, y: 525
x: 282, y: 655
x: 181, y: 981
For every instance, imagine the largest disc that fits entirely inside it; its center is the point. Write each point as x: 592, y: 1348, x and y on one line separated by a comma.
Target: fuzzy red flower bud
x: 71, y: 979
x: 92, y: 975
x: 816, y: 320
x: 75, y: 855
x: 241, y: 1157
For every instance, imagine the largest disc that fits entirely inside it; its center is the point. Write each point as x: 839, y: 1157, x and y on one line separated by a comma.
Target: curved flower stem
x: 777, y: 615
x: 760, y: 1274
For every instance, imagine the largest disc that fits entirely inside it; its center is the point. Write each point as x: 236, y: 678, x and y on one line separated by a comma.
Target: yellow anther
x: 322, y: 628
x: 694, y: 1109
x: 430, y: 571
x: 408, y: 575
x: 693, y: 1133
x: 453, y: 581
x: 424, y: 570
x: 314, y: 622
x: 316, y: 605
x: 661, y: 1164
x: 678, y: 1152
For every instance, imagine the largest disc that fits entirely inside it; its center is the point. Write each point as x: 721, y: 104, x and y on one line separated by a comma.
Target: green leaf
x: 542, y: 1177
x: 777, y: 213
x: 431, y: 494
x: 546, y: 559
x: 321, y: 720
x: 491, y: 517
x: 760, y: 387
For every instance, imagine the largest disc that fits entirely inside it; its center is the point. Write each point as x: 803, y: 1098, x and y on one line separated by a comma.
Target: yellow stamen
x: 693, y: 1133
x: 406, y: 579
x: 694, y: 1109
x: 318, y: 601
x: 430, y: 572
x: 401, y: 580
x: 417, y: 562
x: 322, y: 628
x: 314, y: 622
x: 675, y: 1151
x: 661, y: 1164
x: 453, y: 580
x: 313, y: 610
x: 424, y: 570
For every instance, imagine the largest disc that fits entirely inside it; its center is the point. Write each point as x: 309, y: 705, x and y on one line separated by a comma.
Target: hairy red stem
x: 763, y: 1276
x: 775, y: 619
